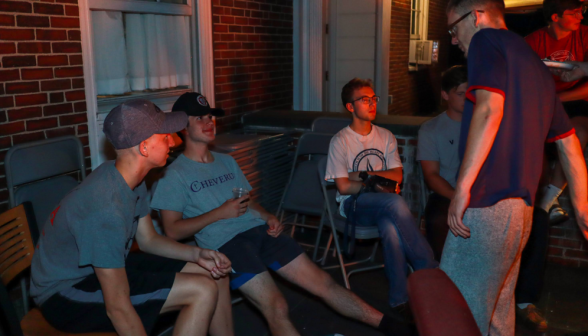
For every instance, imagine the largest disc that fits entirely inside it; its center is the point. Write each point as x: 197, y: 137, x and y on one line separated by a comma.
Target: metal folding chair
x: 337, y: 223
x: 302, y: 195
x: 329, y: 125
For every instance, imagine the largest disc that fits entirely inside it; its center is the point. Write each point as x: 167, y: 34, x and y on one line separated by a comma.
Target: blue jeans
x: 402, y: 241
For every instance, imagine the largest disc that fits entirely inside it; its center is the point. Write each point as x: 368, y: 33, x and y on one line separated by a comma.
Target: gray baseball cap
x: 136, y: 120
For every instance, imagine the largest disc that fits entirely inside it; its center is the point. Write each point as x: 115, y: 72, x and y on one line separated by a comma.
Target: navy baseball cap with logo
x: 136, y: 120
x: 196, y: 105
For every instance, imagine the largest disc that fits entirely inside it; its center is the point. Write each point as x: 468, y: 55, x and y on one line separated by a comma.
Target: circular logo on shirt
x: 195, y: 186
x: 202, y: 101
x: 368, y: 160
x: 562, y: 56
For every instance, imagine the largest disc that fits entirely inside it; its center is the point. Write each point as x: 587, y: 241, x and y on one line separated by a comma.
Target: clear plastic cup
x: 239, y: 192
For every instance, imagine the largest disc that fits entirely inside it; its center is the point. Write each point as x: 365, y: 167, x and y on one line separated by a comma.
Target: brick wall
x: 41, y: 77
x: 253, y: 54
x: 416, y: 92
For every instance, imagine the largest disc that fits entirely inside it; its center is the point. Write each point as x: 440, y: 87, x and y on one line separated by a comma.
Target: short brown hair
x: 351, y: 86
x: 454, y: 77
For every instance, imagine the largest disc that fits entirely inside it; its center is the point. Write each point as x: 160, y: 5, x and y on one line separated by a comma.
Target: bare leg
x: 581, y: 126
x: 265, y: 295
x: 195, y: 296
x: 304, y: 273
x: 222, y: 319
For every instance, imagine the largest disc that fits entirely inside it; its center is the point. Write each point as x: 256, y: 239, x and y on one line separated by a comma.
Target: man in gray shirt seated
x: 195, y: 199
x: 437, y: 152
x: 82, y: 275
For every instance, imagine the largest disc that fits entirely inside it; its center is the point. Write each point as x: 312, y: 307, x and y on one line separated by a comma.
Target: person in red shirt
x: 564, y: 39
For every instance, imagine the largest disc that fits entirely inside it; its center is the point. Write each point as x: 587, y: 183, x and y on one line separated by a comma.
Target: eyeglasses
x: 452, y: 28
x: 578, y: 13
x: 367, y: 100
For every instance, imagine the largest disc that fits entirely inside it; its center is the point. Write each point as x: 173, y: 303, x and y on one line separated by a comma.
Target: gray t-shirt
x: 93, y: 226
x: 195, y: 188
x: 439, y: 141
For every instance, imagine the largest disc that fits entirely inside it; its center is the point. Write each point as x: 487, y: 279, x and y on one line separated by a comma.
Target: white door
x: 358, y: 46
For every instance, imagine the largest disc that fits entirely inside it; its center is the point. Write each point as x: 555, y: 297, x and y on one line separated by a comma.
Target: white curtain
x: 154, y: 55
x: 158, y: 51
x: 109, y: 53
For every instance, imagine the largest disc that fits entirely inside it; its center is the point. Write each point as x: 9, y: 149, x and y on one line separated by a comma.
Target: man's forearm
x: 185, y: 228
x: 264, y: 214
x: 125, y: 320
x: 579, y: 92
x: 152, y: 242
x: 574, y: 166
x: 440, y: 185
x: 484, y: 126
x: 394, y: 174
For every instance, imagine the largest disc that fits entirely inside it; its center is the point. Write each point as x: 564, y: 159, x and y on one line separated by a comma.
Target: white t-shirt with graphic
x: 352, y: 152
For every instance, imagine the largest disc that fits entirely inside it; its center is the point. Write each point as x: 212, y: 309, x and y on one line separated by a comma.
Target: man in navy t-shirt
x: 510, y: 111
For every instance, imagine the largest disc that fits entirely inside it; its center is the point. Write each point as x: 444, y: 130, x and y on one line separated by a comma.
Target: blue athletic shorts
x: 254, y: 251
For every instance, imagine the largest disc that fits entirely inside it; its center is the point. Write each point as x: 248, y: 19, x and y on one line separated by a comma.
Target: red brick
x: 67, y: 1
x: 57, y: 84
x: 568, y: 243
x: 227, y: 19
x: 74, y: 35
x: 42, y: 8
x: 69, y: 72
x: 51, y: 35
x: 555, y: 252
x: 18, y: 61
x: 73, y: 119
x: 80, y: 107
x: 31, y: 99
x: 39, y: 124
x: 576, y: 254
x: 54, y: 133
x: 22, y: 87
x: 39, y: 73
x: 220, y: 28
x: 7, y: 48
x: 15, y: 6
x: 34, y: 48
x: 56, y: 97
x: 16, y: 34
x: 72, y: 11
x: 51, y: 110
x: 6, y: 101
x: 77, y: 83
x: 32, y: 21
x: 6, y: 20
x: 12, y: 128
x: 75, y: 60
x: 28, y: 137
x: 64, y: 22
x: 6, y: 142
x: 82, y: 129
x: 25, y: 113
x: 53, y: 60
x: 564, y: 261
x: 67, y: 47
x: 75, y: 95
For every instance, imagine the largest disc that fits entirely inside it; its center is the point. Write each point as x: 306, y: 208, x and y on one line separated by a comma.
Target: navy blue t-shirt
x: 501, y: 61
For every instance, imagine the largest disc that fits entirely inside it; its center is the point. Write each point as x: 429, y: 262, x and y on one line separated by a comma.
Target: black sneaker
x: 557, y: 215
x: 403, y: 313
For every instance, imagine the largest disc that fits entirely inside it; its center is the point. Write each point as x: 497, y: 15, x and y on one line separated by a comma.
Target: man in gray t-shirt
x: 195, y: 199
x: 437, y: 153
x: 82, y: 275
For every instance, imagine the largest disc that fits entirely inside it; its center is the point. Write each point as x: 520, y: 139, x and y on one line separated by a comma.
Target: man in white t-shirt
x: 439, y: 158
x: 366, y: 149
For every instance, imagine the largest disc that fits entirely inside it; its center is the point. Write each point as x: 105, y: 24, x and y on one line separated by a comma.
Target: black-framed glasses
x: 452, y: 28
x: 578, y: 13
x: 367, y: 100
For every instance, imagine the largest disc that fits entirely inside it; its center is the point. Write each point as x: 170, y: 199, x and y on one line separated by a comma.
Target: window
x: 419, y: 17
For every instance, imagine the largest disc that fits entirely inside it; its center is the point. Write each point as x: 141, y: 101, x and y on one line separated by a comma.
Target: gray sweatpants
x: 485, y: 266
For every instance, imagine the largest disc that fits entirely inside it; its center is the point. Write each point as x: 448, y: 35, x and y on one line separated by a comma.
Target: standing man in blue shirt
x: 511, y: 110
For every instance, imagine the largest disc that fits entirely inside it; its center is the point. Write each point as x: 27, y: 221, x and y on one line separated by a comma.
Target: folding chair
x: 40, y: 173
x: 337, y: 223
x: 37, y: 174
x: 16, y: 254
x: 329, y: 125
x: 302, y: 195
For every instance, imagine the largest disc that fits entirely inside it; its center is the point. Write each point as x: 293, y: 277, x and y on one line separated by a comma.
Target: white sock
x: 550, y: 194
x: 523, y: 305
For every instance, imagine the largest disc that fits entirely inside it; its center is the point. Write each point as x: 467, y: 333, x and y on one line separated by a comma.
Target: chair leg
x: 318, y: 237
x: 373, y: 256
x: 324, y: 259
x: 303, y: 222
x: 294, y: 225
x: 341, y: 262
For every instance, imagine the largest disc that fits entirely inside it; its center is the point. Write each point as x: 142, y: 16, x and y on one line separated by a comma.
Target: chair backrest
x: 329, y: 125
x: 313, y: 143
x: 36, y: 173
x: 16, y: 244
x: 322, y: 170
